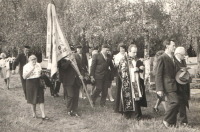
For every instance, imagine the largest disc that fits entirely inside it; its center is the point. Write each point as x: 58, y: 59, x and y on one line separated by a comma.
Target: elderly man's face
x: 79, y: 50
x: 109, y: 52
x: 105, y: 51
x: 181, y: 56
x: 133, y: 52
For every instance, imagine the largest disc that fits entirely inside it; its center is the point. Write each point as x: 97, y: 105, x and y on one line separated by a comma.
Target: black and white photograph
x: 100, y: 65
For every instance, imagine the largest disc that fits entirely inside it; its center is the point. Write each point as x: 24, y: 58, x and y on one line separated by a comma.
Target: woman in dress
x: 5, y: 69
x: 131, y: 89
x: 122, y: 53
x: 34, y: 88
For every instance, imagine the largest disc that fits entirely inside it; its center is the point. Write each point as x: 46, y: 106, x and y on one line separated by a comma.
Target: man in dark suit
x: 71, y: 83
x: 22, y: 59
x: 183, y: 87
x: 99, y: 73
x: 84, y: 65
x: 166, y: 83
x: 58, y: 83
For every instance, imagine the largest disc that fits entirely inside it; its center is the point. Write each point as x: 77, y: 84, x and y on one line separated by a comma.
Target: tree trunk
x: 197, y: 43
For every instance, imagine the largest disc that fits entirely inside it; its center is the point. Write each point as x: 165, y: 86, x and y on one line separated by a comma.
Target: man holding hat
x: 183, y: 79
x: 22, y: 59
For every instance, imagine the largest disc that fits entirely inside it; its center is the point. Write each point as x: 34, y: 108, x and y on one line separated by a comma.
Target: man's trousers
x: 72, y: 97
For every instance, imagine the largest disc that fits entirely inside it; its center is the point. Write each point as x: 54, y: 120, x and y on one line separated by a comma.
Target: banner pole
x: 74, y: 64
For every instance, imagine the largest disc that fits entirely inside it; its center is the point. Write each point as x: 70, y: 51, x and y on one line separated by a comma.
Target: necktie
x: 172, y: 59
x: 105, y: 57
x: 80, y: 56
x: 26, y: 58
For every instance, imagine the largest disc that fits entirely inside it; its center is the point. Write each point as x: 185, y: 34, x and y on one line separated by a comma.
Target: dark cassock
x: 130, y: 93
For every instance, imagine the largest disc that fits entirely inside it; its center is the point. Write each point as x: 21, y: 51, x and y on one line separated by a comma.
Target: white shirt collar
x: 168, y: 54
x: 103, y: 54
x: 178, y: 59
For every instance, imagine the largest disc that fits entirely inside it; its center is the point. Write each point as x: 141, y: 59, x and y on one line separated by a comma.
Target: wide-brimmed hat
x: 183, y: 76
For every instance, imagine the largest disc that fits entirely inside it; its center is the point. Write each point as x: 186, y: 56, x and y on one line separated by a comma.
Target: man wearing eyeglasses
x: 183, y: 87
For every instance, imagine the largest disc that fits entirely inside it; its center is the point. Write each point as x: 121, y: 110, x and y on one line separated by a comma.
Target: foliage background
x: 95, y: 22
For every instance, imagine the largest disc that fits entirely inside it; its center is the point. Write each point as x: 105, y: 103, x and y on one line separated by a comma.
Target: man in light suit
x: 166, y: 83
x: 99, y: 73
x: 21, y: 60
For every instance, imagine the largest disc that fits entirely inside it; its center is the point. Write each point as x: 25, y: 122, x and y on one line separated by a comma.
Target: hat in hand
x: 183, y: 76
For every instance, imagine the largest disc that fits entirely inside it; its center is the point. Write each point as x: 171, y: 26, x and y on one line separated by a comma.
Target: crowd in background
x: 98, y: 70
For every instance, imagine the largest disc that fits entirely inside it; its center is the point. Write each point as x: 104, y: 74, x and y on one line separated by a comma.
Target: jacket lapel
x: 169, y: 59
x: 103, y: 57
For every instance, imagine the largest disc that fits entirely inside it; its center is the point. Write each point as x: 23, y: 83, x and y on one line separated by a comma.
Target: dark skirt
x: 34, y: 93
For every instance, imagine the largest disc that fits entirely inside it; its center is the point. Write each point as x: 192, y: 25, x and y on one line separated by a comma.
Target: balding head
x: 180, y: 53
x: 180, y: 50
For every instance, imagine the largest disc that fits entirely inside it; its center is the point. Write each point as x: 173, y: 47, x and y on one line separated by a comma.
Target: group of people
x: 129, y: 72
x: 172, y: 80
x: 33, y: 82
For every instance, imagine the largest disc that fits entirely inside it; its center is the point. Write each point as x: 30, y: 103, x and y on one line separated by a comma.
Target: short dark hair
x: 105, y: 46
x: 130, y: 47
x: 167, y: 42
x: 26, y: 46
x: 96, y: 48
x: 79, y: 46
x: 121, y: 45
x: 72, y: 48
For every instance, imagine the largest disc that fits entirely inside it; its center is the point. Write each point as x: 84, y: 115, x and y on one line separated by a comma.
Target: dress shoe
x: 77, y: 115
x: 155, y: 110
x: 166, y: 124
x: 112, y: 100
x: 45, y: 118
x: 70, y: 113
x: 56, y: 95
x: 184, y: 124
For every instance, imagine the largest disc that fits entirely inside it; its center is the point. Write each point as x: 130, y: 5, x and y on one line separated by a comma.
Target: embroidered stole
x: 135, y: 81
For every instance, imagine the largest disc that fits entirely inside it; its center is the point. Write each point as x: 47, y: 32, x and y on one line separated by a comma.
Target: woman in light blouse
x: 34, y: 91
x: 5, y: 69
x: 122, y: 52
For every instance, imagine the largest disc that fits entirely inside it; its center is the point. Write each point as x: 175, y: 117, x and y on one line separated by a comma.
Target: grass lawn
x: 16, y: 115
